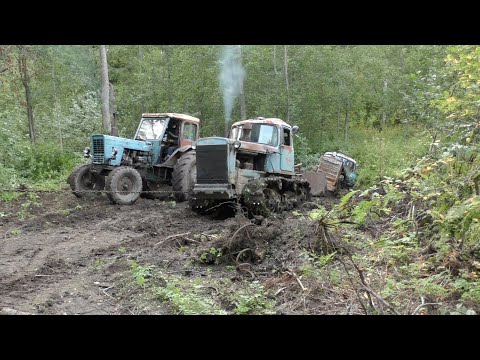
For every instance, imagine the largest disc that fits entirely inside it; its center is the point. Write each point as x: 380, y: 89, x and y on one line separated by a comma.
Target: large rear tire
x: 184, y: 176
x: 85, y: 183
x: 123, y: 185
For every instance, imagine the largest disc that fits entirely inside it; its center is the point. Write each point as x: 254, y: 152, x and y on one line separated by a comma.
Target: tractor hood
x: 109, y: 150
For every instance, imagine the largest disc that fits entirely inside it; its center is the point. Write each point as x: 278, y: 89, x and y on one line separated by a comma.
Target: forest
x: 404, y: 240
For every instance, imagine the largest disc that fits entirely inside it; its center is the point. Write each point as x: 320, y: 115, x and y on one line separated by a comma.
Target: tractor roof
x: 261, y: 120
x: 172, y: 115
x: 335, y: 154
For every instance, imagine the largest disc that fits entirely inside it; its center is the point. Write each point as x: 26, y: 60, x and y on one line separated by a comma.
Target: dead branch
x: 42, y: 275
x: 382, y: 300
x: 241, y: 267
x: 172, y: 237
x: 240, y: 253
x: 291, y: 272
x: 240, y: 228
x: 279, y: 291
x: 422, y: 305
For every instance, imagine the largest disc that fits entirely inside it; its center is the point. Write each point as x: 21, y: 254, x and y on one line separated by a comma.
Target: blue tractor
x: 158, y: 161
x: 254, y: 167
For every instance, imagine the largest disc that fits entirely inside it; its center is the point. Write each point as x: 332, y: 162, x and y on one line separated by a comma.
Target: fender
x: 175, y: 155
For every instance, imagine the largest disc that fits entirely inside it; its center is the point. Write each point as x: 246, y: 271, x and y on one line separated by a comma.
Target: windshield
x: 259, y: 133
x: 349, y: 165
x: 151, y: 129
x: 264, y: 134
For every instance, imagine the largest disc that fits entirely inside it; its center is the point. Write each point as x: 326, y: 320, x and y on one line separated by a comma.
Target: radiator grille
x: 212, y: 164
x: 98, y: 150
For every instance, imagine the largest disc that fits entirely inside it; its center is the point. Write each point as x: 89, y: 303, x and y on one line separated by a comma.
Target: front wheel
x: 123, y: 185
x: 85, y: 183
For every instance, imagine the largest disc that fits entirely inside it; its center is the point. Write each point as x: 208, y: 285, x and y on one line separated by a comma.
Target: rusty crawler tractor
x: 254, y: 166
x: 159, y: 159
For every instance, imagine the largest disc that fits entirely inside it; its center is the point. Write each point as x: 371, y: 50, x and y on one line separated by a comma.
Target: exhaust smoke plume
x: 231, y: 79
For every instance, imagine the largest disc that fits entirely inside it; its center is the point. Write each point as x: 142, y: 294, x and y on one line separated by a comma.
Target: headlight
x: 237, y: 144
x: 86, y: 152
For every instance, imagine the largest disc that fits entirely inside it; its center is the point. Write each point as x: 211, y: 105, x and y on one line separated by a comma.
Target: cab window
x: 190, y: 131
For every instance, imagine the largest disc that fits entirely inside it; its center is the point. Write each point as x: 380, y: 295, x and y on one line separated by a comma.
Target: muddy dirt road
x: 63, y: 255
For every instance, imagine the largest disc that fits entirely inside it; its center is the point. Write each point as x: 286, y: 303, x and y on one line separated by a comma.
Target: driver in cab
x: 171, y: 138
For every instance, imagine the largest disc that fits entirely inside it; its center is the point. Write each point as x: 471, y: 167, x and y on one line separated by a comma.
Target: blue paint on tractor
x: 287, y: 158
x: 104, y: 146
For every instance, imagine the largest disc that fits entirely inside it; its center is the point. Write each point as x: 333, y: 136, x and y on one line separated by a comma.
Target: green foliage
x: 470, y: 290
x: 252, y: 300
x: 211, y: 256
x: 45, y: 161
x: 462, y: 101
x: 186, y: 300
x: 321, y: 261
x: 141, y: 273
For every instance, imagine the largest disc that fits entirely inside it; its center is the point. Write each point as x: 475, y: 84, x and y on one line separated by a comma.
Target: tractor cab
x: 168, y: 133
x: 264, y: 145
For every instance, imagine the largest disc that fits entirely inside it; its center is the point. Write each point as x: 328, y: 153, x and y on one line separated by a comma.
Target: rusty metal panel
x: 332, y: 168
x: 256, y: 148
x: 317, y: 181
x: 272, y: 121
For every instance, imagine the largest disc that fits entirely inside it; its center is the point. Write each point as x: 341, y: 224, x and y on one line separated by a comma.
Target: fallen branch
x: 105, y: 291
x: 382, y: 300
x: 172, y: 237
x: 241, y: 268
x: 422, y: 305
x: 279, y: 291
x: 240, y: 253
x: 240, y: 228
x: 290, y: 271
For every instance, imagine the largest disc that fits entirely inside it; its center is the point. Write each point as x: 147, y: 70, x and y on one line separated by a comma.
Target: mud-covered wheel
x: 85, y: 183
x: 184, y: 176
x: 123, y: 185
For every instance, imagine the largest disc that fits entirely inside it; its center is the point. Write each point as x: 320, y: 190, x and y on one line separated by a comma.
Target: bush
x: 45, y: 161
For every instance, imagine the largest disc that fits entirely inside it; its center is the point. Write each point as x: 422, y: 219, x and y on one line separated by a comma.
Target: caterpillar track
x: 275, y: 194
x: 260, y: 197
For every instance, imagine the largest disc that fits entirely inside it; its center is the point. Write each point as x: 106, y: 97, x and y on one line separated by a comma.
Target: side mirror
x: 295, y: 129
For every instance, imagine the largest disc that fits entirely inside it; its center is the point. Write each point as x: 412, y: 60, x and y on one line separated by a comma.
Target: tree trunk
x: 285, y: 69
x: 25, y: 77
x: 339, y: 105
x: 107, y: 125
x: 169, y: 76
x: 384, y: 115
x: 406, y: 122
x: 243, y: 108
x: 275, y: 60
x: 140, y: 60
x: 59, y: 125
x: 113, y: 109
x: 345, y: 130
